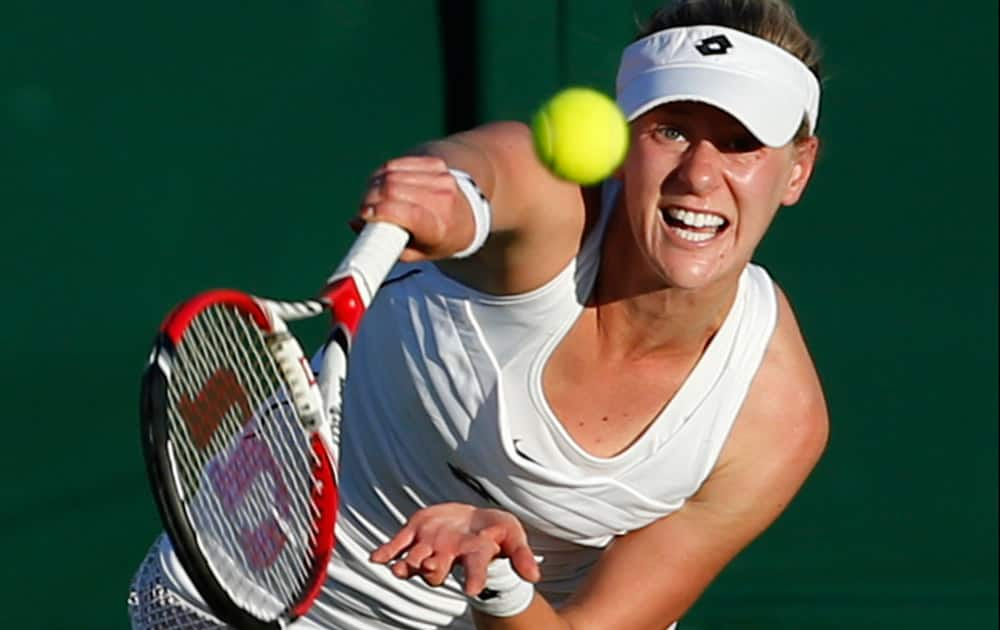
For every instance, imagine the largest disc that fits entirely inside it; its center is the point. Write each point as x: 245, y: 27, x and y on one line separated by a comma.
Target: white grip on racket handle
x: 371, y: 257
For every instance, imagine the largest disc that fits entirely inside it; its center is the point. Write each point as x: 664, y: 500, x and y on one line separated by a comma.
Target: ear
x: 802, y: 168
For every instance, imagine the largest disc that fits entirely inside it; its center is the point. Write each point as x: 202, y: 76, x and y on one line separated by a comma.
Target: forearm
x: 471, y: 158
x: 485, y: 153
x: 501, y: 158
x: 539, y: 615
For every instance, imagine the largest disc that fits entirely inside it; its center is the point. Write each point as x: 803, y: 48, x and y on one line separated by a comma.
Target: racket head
x: 240, y: 470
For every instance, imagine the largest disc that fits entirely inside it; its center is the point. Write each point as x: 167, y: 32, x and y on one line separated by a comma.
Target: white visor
x: 766, y: 88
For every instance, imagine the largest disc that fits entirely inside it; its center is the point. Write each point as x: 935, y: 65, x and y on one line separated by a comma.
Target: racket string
x: 251, y: 508
x: 202, y: 351
x: 273, y: 397
x: 205, y: 508
x: 193, y: 354
x: 221, y: 341
x: 303, y: 478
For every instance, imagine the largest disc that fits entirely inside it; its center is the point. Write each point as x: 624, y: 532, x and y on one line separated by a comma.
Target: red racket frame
x: 348, y: 309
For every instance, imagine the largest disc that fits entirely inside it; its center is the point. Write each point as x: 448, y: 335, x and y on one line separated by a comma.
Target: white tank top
x: 444, y: 402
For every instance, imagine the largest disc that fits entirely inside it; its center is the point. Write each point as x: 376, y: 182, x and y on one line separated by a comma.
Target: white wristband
x: 482, y: 214
x: 506, y: 594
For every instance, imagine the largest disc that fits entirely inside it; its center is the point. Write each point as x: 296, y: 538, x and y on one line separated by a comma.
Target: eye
x: 741, y: 143
x: 672, y: 134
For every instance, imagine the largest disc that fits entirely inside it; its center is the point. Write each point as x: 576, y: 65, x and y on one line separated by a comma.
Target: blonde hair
x: 771, y: 20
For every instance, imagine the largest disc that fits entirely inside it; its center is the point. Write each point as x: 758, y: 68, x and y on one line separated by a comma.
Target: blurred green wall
x: 140, y: 141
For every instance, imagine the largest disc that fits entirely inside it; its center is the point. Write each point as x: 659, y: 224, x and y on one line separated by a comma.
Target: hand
x: 437, y: 537
x: 419, y: 194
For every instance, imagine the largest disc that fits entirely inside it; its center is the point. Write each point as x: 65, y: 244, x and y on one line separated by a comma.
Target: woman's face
x: 701, y: 190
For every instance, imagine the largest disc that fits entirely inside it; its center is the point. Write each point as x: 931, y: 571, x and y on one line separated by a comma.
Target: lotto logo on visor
x: 769, y: 90
x: 717, y: 45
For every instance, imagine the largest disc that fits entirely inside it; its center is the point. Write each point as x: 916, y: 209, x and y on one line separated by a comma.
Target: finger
x: 499, y: 533
x: 367, y: 214
x: 416, y: 555
x: 513, y: 543
x: 400, y: 212
x: 356, y: 224
x: 414, y: 163
x: 423, y: 225
x: 410, y: 255
x: 430, y: 179
x: 436, y: 568
x: 420, y: 191
x: 475, y: 565
x: 394, y: 547
x: 402, y: 570
x: 525, y: 563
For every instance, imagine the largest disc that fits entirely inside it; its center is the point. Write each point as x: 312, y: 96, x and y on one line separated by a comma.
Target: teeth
x: 695, y: 219
x: 696, y: 237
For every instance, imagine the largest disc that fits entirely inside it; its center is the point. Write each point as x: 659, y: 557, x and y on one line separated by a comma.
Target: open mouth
x: 695, y: 227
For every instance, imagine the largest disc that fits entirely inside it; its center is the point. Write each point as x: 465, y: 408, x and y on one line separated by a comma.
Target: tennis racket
x: 238, y: 437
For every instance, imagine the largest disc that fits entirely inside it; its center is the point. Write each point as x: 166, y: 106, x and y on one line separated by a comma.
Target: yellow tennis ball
x: 580, y: 135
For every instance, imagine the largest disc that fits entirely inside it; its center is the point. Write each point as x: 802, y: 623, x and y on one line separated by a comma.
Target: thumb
x: 514, y: 545
x: 525, y: 563
x: 513, y: 542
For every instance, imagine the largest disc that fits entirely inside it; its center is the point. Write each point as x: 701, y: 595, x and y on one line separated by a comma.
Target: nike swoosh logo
x: 517, y: 449
x: 471, y: 482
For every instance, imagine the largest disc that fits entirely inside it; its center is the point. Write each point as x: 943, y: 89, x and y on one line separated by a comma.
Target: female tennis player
x: 572, y: 407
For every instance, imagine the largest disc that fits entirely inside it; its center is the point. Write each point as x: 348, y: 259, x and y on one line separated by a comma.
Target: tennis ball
x: 580, y: 135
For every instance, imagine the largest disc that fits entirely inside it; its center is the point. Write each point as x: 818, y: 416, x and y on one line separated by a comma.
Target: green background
x: 153, y: 149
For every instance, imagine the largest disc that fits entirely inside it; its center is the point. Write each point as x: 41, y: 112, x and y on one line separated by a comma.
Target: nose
x: 701, y: 167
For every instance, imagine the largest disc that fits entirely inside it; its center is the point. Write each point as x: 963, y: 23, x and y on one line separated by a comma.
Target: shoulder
x: 787, y: 379
x: 784, y: 420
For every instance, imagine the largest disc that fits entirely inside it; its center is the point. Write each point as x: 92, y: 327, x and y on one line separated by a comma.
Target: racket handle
x: 371, y: 257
